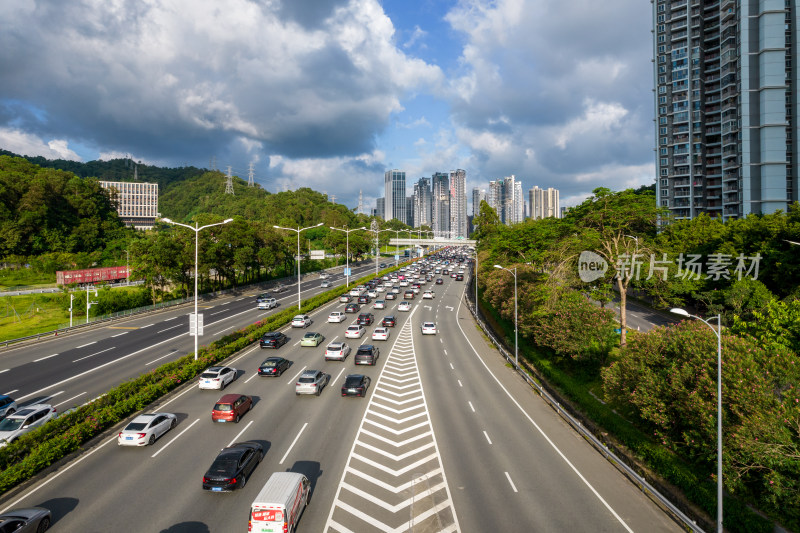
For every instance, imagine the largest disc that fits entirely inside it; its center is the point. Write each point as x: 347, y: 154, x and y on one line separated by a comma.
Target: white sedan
x: 356, y: 331
x: 379, y: 304
x: 337, y: 350
x: 380, y: 334
x: 404, y: 306
x: 336, y: 316
x: 216, y: 377
x: 429, y: 328
x: 372, y: 293
x: 145, y: 429
x: 428, y: 295
x: 380, y: 288
x: 301, y: 321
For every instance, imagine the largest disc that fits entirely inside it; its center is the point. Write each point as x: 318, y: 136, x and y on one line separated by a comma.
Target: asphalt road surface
x: 448, y: 438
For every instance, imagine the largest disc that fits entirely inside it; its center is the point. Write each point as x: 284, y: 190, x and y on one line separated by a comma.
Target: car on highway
x: 273, y: 366
x: 355, y: 385
x: 379, y: 289
x: 312, y: 338
x: 404, y: 306
x: 429, y: 328
x: 324, y: 275
x: 367, y: 354
x: 409, y: 295
x: 217, y: 377
x: 325, y: 284
x: 25, y: 420
x: 311, y: 382
x: 273, y: 339
x: 301, y: 321
x: 356, y: 331
x: 7, y: 406
x: 391, y: 296
x: 439, y: 281
x: 460, y: 277
x: 372, y: 293
x: 28, y: 520
x: 337, y: 351
x: 380, y: 334
x: 145, y: 429
x: 355, y: 292
x: 336, y: 316
x: 232, y: 466
x: 379, y: 304
x: 231, y: 408
x: 365, y: 319
x: 352, y: 308
x: 395, y: 290
x: 383, y: 265
x: 344, y: 298
x: 267, y: 303
x: 364, y: 299
x: 389, y: 321
x: 263, y: 296
x: 428, y: 295
x: 453, y: 275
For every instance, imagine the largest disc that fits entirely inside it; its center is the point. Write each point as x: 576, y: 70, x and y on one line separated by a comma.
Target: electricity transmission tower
x: 251, y: 176
x: 229, y: 183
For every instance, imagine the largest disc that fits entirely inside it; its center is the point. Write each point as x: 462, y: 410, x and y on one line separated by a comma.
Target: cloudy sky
x: 329, y: 94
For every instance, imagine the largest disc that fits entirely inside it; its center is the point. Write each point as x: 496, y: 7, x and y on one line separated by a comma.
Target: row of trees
x: 666, y: 379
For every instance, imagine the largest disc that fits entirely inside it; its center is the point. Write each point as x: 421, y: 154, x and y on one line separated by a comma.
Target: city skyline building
x: 423, y: 203
x: 543, y: 203
x: 394, y: 182
x: 380, y: 207
x: 726, y: 107
x: 478, y: 195
x: 458, y: 203
x: 440, y: 210
x: 136, y: 202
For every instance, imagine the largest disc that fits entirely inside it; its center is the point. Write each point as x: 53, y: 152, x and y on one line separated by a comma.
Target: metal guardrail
x: 554, y: 402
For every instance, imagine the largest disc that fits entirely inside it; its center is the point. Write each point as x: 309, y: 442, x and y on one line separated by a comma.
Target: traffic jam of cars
x: 365, y: 317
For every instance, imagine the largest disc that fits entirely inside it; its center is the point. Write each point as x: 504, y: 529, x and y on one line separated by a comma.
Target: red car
x: 231, y: 407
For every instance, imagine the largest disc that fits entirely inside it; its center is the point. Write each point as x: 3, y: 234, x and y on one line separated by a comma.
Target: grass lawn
x: 12, y: 279
x: 30, y: 314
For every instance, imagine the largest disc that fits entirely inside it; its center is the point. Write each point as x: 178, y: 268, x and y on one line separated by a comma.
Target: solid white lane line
x: 167, y: 329
x: 96, y: 368
x: 251, y: 350
x: 147, y: 326
x: 338, y: 376
x: 511, y: 482
x: 293, y: 443
x: 173, y: 318
x: 487, y: 437
x: 159, y: 359
x: 43, y: 358
x: 296, y: 375
x: 87, y: 344
x: 251, y: 377
x: 92, y: 355
x: 57, y: 474
x: 65, y: 401
x: 9, y: 393
x: 6, y: 370
x: 120, y: 334
x: 471, y: 407
x: 240, y: 433
x: 176, y: 438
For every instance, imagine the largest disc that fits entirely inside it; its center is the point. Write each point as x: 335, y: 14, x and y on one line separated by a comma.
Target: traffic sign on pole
x: 196, y: 324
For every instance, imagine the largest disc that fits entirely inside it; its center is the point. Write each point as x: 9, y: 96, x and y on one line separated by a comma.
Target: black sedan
x: 355, y: 385
x: 273, y: 339
x: 273, y: 366
x: 363, y: 299
x: 352, y: 308
x: 388, y: 321
x: 439, y: 281
x: 233, y: 466
x: 365, y: 319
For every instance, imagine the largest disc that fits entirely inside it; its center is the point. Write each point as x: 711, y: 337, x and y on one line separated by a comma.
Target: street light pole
x: 196, y: 231
x: 718, y: 333
x: 347, y: 248
x: 516, y: 338
x: 298, y: 230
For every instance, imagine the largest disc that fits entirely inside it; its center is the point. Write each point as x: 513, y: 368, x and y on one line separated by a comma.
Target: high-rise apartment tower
x: 395, y: 193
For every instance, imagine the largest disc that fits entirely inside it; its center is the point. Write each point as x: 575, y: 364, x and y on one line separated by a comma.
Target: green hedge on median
x: 35, y: 451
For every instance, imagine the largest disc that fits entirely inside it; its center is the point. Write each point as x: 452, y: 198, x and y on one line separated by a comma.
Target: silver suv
x: 311, y: 382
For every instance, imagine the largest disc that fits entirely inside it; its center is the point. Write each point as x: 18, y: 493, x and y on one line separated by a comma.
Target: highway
x: 71, y: 370
x: 447, y: 439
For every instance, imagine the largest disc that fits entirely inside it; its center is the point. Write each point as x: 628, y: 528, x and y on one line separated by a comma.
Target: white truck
x: 279, y: 504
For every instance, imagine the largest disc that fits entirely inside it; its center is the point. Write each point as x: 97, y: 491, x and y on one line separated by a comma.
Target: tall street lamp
x: 516, y: 340
x: 377, y: 249
x: 196, y: 231
x: 298, y: 230
x: 718, y: 333
x: 347, y: 249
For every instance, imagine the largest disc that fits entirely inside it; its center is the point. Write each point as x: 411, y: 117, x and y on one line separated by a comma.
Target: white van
x: 278, y: 506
